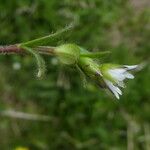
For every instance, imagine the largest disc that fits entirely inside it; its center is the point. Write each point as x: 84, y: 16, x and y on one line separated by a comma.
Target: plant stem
x: 10, y: 49
x: 47, y: 50
x: 16, y: 49
x: 26, y: 116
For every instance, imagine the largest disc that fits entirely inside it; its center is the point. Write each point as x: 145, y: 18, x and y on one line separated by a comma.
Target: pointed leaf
x: 39, y: 60
x: 46, y: 39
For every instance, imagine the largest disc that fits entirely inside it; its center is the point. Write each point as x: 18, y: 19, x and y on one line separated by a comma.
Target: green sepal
x: 82, y: 76
x: 85, y: 53
x: 95, y: 54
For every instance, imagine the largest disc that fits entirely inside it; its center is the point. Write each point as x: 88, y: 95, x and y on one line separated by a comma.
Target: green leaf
x: 46, y: 39
x: 40, y: 61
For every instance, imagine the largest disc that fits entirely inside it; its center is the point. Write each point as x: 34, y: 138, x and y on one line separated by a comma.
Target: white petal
x: 110, y: 85
x: 118, y: 90
x: 116, y: 75
x: 115, y: 90
x: 128, y: 75
x: 119, y: 70
x: 131, y: 67
x: 117, y: 95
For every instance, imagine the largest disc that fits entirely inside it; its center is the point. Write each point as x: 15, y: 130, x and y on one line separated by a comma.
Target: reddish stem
x: 10, y: 49
x: 15, y: 49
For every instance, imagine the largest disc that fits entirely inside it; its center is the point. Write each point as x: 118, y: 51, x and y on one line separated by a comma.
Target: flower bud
x: 68, y: 54
x: 91, y: 69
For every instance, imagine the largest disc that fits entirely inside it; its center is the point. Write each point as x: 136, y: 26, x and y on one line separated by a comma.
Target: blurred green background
x: 80, y: 119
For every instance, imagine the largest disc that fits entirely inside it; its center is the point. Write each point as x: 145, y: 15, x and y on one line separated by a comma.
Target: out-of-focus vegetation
x: 85, y: 119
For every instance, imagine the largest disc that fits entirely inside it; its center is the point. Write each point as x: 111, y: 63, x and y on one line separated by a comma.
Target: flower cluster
x: 108, y: 76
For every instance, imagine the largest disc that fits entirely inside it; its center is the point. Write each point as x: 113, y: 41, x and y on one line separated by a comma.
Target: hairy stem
x: 47, y: 50
x: 10, y: 49
x: 16, y: 49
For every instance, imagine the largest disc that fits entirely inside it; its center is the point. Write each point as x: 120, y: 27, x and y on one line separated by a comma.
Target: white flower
x: 115, y: 75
